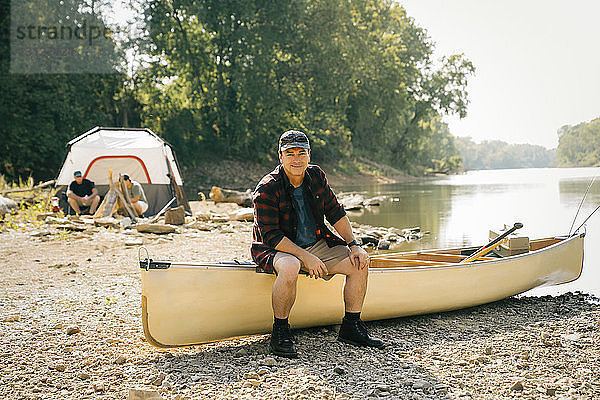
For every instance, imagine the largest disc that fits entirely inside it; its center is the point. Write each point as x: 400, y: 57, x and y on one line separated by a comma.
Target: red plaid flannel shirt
x: 275, y: 217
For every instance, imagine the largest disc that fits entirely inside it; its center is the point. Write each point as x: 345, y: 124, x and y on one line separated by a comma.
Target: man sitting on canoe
x: 290, y: 235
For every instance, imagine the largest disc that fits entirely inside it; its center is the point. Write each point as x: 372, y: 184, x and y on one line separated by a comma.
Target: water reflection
x: 460, y: 210
x: 572, y: 191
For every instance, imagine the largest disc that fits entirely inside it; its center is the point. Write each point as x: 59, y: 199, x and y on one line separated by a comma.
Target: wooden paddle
x: 491, y: 245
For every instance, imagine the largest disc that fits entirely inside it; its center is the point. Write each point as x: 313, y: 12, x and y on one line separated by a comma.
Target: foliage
x: 25, y: 217
x: 496, y: 154
x: 437, y: 151
x: 579, y: 145
x: 358, y: 76
x: 31, y: 204
x: 225, y: 78
x: 40, y: 113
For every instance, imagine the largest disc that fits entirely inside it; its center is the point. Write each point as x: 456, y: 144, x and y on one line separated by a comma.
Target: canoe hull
x: 191, y: 304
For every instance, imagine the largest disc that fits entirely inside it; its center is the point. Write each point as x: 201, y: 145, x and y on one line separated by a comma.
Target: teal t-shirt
x: 306, y: 234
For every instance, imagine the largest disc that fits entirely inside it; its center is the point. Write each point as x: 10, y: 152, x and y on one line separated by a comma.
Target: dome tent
x: 137, y: 152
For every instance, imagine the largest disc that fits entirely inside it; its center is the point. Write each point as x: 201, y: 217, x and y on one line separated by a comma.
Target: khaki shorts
x: 87, y: 202
x: 329, y: 255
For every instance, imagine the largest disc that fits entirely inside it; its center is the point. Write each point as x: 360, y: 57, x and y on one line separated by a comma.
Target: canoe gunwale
x: 441, y: 265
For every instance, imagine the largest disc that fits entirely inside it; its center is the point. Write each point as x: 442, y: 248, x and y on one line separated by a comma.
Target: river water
x: 460, y: 210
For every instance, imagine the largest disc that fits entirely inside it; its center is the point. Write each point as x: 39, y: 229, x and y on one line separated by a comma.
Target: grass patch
x: 26, y: 217
x: 31, y: 203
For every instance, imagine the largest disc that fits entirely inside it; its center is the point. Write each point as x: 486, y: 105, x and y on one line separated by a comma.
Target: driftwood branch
x: 109, y: 204
x: 220, y: 195
x: 125, y: 200
x: 40, y: 186
x: 116, y: 197
x: 162, y: 210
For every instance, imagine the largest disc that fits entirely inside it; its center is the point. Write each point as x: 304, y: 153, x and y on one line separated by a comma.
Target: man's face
x: 79, y: 179
x: 295, y: 161
x: 127, y: 183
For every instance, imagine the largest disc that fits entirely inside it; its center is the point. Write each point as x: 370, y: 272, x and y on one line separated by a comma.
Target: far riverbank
x: 243, y: 175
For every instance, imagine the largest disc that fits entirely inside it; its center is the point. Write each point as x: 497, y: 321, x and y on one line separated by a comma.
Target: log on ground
x: 220, y: 195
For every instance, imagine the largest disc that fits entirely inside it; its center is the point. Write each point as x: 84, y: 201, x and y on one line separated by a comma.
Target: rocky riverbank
x: 245, y: 174
x: 70, y: 328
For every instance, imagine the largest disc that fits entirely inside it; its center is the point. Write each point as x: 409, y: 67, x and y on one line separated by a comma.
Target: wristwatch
x: 352, y: 243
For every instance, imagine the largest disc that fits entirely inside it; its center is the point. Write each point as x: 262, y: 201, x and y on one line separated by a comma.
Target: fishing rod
x: 585, y: 220
x: 580, y: 204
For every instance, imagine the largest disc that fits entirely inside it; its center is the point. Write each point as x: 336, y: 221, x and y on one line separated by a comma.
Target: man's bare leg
x: 94, y: 206
x: 74, y: 205
x: 137, y: 208
x: 355, y: 287
x: 353, y: 330
x: 284, y: 288
x: 283, y: 298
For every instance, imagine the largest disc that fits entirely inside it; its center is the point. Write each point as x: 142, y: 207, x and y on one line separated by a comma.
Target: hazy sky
x: 537, y: 63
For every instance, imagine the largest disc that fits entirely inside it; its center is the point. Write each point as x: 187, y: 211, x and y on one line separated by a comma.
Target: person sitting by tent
x: 136, y: 195
x: 82, y: 192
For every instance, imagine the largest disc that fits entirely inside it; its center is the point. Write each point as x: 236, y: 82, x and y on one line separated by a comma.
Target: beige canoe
x: 193, y: 303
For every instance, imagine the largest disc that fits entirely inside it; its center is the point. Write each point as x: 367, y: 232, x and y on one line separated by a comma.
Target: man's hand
x: 359, y: 257
x: 314, y: 266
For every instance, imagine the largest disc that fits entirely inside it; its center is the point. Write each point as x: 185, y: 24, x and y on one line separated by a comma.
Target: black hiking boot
x: 355, y: 332
x: 281, y: 342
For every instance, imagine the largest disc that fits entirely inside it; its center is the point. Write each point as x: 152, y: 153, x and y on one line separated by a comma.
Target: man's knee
x: 346, y: 267
x: 362, y: 272
x: 288, y: 268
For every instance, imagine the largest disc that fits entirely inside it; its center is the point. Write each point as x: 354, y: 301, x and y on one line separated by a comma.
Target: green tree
x: 437, y: 150
x: 579, y: 145
x: 496, y: 154
x: 41, y: 112
x: 358, y: 76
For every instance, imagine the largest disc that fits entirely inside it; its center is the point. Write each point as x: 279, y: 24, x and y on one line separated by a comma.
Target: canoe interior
x: 427, y: 258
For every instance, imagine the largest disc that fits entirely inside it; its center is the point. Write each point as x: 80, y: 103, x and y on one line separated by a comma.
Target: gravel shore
x: 70, y: 328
